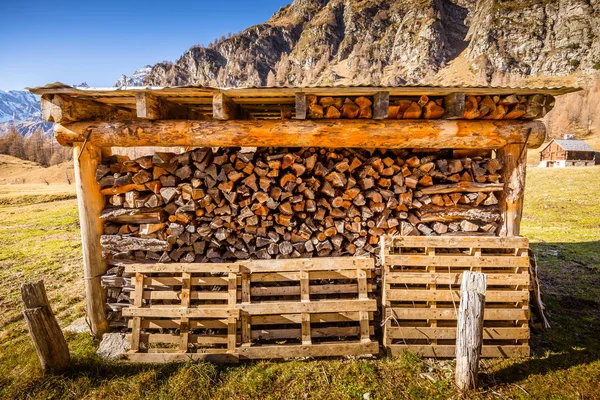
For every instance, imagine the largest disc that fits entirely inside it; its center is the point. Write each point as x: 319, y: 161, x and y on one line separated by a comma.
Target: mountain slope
x: 388, y: 42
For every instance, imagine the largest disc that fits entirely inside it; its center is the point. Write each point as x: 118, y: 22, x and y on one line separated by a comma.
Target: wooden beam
x: 439, y: 134
x: 513, y: 157
x: 454, y: 106
x: 300, y: 106
x: 381, y: 103
x: 91, y: 203
x: 224, y: 108
x: 62, y: 109
x: 149, y: 106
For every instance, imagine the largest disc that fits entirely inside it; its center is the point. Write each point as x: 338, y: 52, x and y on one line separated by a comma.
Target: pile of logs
x: 424, y: 107
x: 231, y: 203
x: 339, y: 107
x: 507, y: 107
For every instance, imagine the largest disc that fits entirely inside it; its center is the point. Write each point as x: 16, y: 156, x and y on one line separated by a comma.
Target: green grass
x: 561, y: 218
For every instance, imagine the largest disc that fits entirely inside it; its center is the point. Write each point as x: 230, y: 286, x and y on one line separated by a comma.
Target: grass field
x: 39, y: 238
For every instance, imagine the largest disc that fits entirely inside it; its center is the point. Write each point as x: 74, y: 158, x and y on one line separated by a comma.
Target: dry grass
x: 562, y: 218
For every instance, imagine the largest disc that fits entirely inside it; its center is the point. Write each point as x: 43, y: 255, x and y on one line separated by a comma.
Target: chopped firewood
x: 432, y: 111
x: 413, y: 111
x: 350, y: 109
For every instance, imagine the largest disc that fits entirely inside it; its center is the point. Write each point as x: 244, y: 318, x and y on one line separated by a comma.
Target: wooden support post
x: 454, y: 106
x: 224, y: 108
x: 91, y: 203
x: 513, y: 158
x: 47, y: 336
x: 244, y: 316
x: 184, y: 324
x: 381, y: 104
x: 148, y: 106
x: 300, y: 106
x: 305, y: 317
x: 231, y: 321
x: 469, y: 331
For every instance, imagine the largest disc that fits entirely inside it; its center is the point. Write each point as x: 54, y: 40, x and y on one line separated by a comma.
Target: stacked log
x: 339, y: 107
x: 230, y: 203
x: 476, y: 107
x: 508, y: 107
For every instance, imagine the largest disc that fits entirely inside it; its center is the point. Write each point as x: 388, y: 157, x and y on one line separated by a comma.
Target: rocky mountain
x: 18, y: 105
x: 484, y: 42
x: 136, y: 79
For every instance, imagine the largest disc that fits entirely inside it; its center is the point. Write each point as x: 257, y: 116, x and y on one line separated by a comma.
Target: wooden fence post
x: 47, y: 336
x: 469, y: 331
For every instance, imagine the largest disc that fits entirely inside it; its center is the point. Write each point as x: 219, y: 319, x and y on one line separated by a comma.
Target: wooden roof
x: 266, y: 102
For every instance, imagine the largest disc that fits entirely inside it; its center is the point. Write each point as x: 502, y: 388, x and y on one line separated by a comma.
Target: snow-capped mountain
x: 22, y: 110
x: 19, y: 105
x: 136, y: 79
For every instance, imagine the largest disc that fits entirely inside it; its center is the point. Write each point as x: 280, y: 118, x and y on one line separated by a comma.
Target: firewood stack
x: 476, y: 107
x: 232, y: 203
x: 339, y: 107
x: 508, y: 107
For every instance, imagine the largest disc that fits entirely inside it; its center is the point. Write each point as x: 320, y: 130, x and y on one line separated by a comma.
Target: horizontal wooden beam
x: 438, y: 134
x: 62, y: 109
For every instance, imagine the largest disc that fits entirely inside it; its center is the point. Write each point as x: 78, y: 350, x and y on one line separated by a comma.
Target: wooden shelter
x: 567, y: 153
x: 224, y: 253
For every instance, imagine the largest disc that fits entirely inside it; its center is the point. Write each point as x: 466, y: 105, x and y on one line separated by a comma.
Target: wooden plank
x: 300, y: 106
x: 314, y: 275
x: 309, y: 264
x: 350, y: 316
x: 90, y: 204
x: 195, y: 281
x: 175, y: 324
x: 448, y: 351
x: 381, y: 104
x: 360, y: 133
x: 395, y: 332
x: 296, y: 333
x: 212, y: 356
x: 313, y: 289
x: 186, y: 278
x: 490, y: 314
x: 167, y: 338
x: 441, y: 278
x: 321, y: 306
x: 314, y: 350
x: 183, y: 267
x: 457, y: 260
x: 172, y: 312
x: 224, y: 108
x: 194, y: 295
x: 245, y: 318
x: 461, y: 242
x: 459, y: 187
x: 492, y: 296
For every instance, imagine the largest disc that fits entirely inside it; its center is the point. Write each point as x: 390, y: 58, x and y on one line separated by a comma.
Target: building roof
x: 574, y: 145
x: 399, y: 90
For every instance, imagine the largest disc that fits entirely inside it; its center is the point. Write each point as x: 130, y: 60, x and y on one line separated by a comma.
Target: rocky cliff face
x: 498, y: 42
x: 391, y: 42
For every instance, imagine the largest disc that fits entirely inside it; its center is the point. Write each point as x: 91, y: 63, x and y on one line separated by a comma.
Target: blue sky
x: 96, y: 41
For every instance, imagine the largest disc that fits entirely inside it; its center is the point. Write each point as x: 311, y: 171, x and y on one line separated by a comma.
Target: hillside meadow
x: 39, y: 239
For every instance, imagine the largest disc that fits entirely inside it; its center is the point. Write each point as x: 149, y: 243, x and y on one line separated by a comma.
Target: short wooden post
x: 47, y: 336
x: 513, y: 158
x: 469, y: 332
x: 91, y: 203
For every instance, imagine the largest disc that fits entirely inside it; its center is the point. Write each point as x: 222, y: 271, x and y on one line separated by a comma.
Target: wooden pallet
x: 183, y: 312
x: 316, y: 307
x: 421, y: 285
x: 251, y: 310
